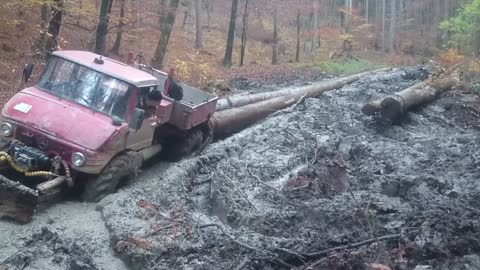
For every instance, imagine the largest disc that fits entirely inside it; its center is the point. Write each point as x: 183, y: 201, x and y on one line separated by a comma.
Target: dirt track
x: 309, y: 178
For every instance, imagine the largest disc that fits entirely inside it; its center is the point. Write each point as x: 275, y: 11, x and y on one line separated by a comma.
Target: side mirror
x: 136, y: 121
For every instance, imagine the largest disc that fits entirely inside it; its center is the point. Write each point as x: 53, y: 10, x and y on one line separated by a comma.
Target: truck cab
x: 87, y: 112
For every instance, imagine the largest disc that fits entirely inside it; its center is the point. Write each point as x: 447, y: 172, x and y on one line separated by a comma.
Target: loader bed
x: 17, y: 201
x: 196, y: 106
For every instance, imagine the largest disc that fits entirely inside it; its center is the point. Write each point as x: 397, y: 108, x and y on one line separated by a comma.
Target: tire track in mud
x: 392, y: 171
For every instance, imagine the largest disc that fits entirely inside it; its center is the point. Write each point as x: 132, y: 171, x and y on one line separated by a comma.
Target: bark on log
x: 228, y: 121
x: 238, y: 101
x: 392, y: 107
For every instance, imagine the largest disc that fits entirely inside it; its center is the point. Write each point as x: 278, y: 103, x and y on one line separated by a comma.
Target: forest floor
x: 284, y: 192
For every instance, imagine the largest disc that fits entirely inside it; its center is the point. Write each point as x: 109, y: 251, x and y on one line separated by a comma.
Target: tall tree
x: 116, y: 46
x: 54, y: 25
x: 188, y: 8
x: 168, y: 10
x: 393, y: 25
x: 101, y: 33
x: 314, y: 30
x: 275, y: 34
x: 383, y: 26
x: 244, y: 33
x: 198, y: 24
x: 227, y: 60
x: 297, y: 53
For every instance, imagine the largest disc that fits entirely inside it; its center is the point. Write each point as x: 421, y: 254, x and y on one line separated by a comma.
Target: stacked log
x: 228, y: 121
x: 239, y: 101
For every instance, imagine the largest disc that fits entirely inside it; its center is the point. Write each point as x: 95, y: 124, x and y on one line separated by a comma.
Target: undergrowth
x: 343, y: 66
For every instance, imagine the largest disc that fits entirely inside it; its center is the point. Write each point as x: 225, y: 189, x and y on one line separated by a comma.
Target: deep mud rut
x: 309, y: 178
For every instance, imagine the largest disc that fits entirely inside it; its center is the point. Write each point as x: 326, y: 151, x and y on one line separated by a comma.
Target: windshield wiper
x: 89, y: 104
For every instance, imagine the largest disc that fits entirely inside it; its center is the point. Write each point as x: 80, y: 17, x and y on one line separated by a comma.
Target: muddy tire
x: 187, y: 147
x: 108, y: 180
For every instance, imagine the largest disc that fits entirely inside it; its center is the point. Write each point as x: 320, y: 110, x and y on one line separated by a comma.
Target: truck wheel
x: 191, y: 143
x: 108, y: 180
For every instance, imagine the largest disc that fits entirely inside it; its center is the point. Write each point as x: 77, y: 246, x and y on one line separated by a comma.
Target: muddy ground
x: 282, y: 193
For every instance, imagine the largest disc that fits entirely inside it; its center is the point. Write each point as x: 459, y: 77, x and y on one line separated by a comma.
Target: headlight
x: 78, y: 159
x: 6, y: 129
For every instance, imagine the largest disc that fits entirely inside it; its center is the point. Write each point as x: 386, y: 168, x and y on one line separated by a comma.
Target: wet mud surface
x: 315, y: 186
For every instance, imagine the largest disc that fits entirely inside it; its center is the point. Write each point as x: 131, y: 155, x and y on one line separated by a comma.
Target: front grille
x: 39, y: 141
x: 27, y: 138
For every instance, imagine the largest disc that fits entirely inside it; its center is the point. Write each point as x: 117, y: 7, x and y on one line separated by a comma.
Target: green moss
x: 341, y: 67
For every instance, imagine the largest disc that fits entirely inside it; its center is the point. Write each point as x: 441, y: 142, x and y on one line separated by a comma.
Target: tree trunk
x: 244, y: 33
x: 116, y: 46
x: 314, y: 31
x: 54, y: 26
x: 101, y: 33
x: 198, y: 24
x: 239, y: 101
x: 227, y: 60
x: 167, y: 20
x: 392, y: 107
x: 393, y: 24
x: 383, y: 27
x: 275, y: 35
x: 297, y: 53
x: 367, y: 11
x: 209, y: 13
x: 232, y: 120
x: 476, y: 38
x: 186, y: 14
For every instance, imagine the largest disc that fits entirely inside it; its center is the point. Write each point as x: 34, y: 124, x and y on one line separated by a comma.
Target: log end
x: 392, y: 108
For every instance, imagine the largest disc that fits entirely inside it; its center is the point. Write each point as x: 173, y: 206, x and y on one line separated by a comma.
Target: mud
x: 313, y: 177
x: 69, y: 235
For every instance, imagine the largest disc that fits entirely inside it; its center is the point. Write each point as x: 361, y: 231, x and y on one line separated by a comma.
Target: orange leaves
x: 450, y: 57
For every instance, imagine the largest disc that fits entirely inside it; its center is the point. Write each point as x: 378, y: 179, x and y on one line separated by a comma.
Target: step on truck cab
x: 89, y: 123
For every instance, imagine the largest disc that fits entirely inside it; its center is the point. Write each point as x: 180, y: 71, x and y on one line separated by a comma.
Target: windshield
x: 77, y: 83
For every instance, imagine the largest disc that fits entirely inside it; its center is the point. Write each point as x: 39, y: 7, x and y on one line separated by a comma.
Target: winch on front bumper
x: 45, y: 175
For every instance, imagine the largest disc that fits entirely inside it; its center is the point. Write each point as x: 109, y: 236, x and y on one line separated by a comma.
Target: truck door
x: 144, y: 136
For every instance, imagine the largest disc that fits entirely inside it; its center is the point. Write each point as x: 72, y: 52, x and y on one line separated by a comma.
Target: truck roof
x: 110, y: 67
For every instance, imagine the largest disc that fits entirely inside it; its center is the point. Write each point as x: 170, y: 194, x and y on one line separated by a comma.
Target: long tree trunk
x: 393, y: 106
x: 209, y: 13
x: 239, y: 101
x: 198, y: 24
x: 232, y: 120
x: 314, y: 30
x: 393, y: 25
x: 244, y: 33
x: 116, y: 46
x: 383, y: 27
x: 227, y: 60
x: 186, y: 14
x: 275, y: 35
x: 101, y: 33
x: 297, y: 53
x: 167, y: 20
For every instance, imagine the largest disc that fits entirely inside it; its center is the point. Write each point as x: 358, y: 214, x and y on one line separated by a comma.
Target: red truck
x: 88, y: 124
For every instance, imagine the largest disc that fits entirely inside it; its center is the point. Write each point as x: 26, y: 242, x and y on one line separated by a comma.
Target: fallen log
x: 239, y: 101
x: 229, y: 121
x: 392, y: 107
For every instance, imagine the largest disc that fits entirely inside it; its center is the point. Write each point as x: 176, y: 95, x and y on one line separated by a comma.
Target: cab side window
x: 142, y: 102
